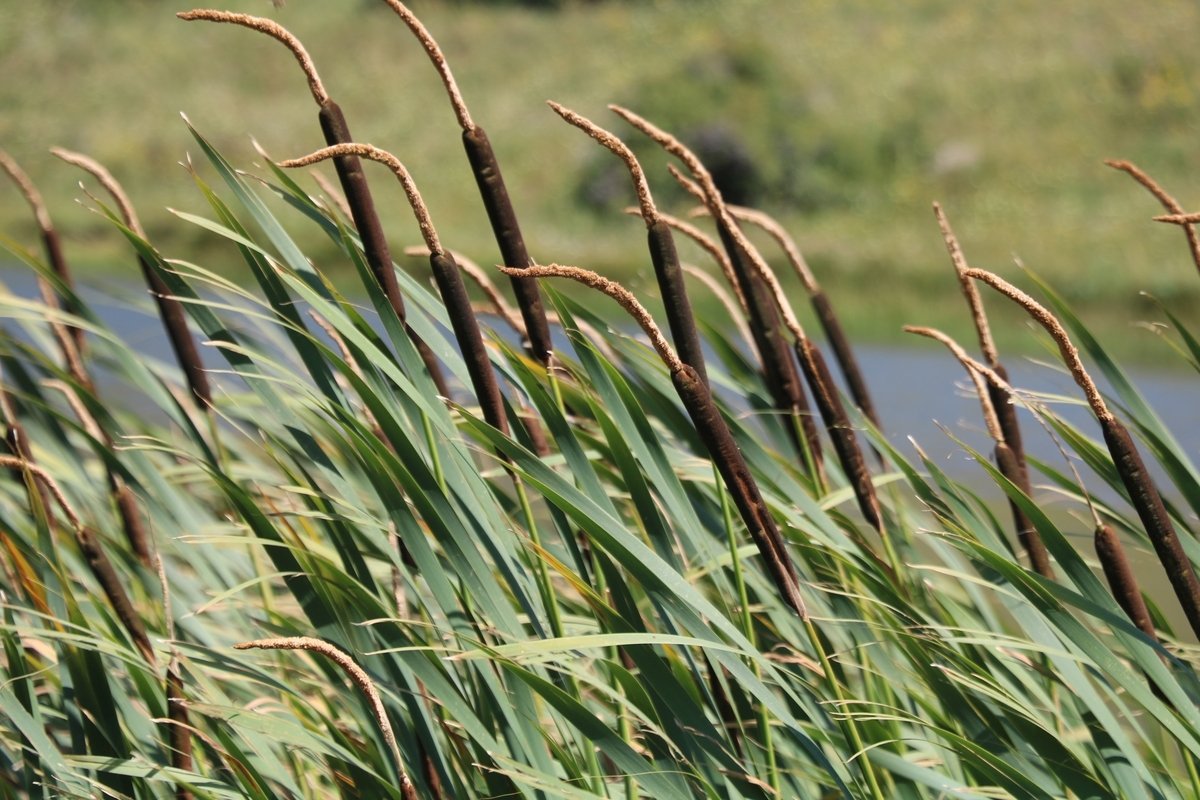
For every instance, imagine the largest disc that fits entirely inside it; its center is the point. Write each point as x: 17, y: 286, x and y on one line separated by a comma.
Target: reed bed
x: 576, y: 562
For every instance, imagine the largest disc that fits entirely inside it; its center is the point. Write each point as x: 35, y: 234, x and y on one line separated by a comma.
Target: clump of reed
x: 572, y: 612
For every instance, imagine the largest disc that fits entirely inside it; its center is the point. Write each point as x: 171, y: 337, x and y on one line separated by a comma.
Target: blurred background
x: 843, y: 118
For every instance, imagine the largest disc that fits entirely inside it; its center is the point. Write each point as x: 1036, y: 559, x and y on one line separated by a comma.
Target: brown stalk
x: 830, y: 323
x: 174, y: 317
x: 661, y: 243
x: 493, y: 191
x: 1128, y: 462
x: 50, y: 238
x: 359, y: 678
x: 1175, y: 212
x: 1002, y: 401
x: 93, y: 553
x: 782, y: 379
x: 1006, y: 461
x: 123, y: 496
x: 445, y: 272
x: 511, y: 317
x: 354, y: 182
x: 714, y: 432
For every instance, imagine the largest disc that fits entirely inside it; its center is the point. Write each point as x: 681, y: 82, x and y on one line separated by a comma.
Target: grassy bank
x: 854, y: 115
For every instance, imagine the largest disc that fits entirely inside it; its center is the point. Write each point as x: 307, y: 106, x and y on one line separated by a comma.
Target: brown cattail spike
x: 445, y: 272
x: 1010, y: 466
x: 1128, y: 462
x: 830, y: 323
x: 1121, y: 579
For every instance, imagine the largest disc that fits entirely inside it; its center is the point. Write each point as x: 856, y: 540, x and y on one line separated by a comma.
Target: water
x: 921, y: 392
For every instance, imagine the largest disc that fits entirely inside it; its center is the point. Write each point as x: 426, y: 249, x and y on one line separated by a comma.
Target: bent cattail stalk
x: 493, y: 191
x: 1010, y: 467
x: 93, y: 553
x: 360, y: 679
x: 123, y: 496
x: 1128, y: 462
x: 445, y: 272
x: 1175, y: 212
x: 779, y: 370
x: 350, y: 174
x: 50, y: 239
x: 174, y: 318
x: 714, y: 432
x: 661, y: 243
x: 1002, y: 401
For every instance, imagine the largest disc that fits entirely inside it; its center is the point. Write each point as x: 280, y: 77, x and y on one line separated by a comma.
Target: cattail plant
x: 714, y: 432
x: 826, y: 316
x: 1143, y: 494
x: 661, y: 243
x: 492, y: 189
x: 169, y: 308
x: 779, y: 370
x: 816, y: 371
x: 445, y: 273
x: 820, y: 382
x: 50, y: 240
x: 984, y: 379
x: 1175, y: 212
x: 350, y: 174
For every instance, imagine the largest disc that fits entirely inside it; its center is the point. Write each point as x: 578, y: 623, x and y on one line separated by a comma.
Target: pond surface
x: 921, y: 391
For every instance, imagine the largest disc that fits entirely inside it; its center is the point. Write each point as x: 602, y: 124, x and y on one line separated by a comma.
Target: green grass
x: 857, y: 115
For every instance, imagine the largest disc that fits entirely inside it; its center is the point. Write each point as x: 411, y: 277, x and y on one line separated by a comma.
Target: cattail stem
x: 1001, y: 399
x: 661, y: 243
x: 1128, y: 462
x: 826, y: 316
x: 95, y: 557
x: 171, y: 311
x: 50, y: 238
x: 1175, y: 213
x: 779, y: 370
x: 445, y: 272
x: 1010, y: 466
